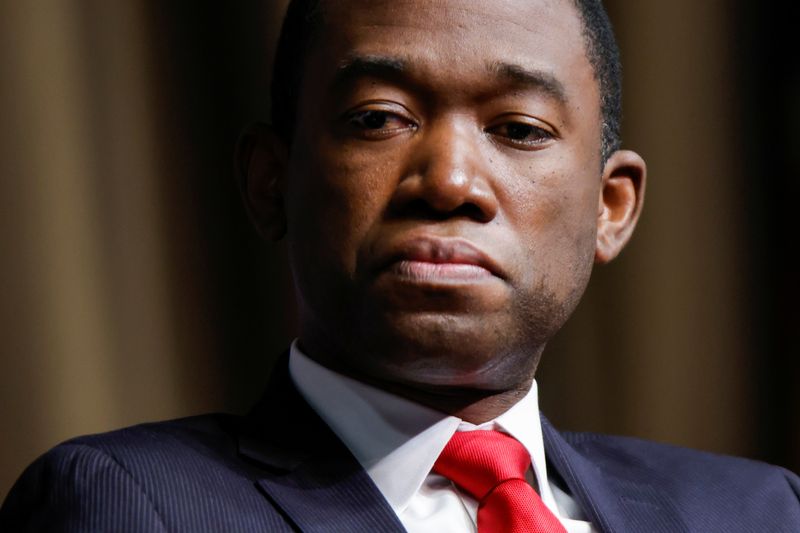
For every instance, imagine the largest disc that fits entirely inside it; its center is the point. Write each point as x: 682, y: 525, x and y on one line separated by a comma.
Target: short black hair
x: 303, y: 18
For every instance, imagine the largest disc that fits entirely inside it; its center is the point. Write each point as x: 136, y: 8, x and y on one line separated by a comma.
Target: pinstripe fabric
x: 627, y: 484
x: 211, y: 473
x: 233, y: 474
x: 348, y: 502
x: 154, y: 478
x: 85, y: 477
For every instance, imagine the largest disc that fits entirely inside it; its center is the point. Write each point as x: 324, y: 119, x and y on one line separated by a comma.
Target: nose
x: 447, y: 176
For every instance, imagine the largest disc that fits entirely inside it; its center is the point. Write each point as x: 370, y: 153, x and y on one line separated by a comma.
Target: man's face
x: 442, y: 189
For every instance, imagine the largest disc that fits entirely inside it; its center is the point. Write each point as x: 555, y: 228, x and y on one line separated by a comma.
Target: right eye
x: 378, y: 123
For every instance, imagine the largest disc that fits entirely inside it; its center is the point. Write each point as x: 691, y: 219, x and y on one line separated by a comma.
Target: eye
x: 371, y: 120
x: 521, y: 134
x: 378, y: 123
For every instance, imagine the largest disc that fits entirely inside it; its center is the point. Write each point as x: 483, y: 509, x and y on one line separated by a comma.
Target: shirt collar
x: 388, y: 434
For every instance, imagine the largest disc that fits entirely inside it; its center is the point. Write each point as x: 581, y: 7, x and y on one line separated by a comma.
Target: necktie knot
x: 478, y: 461
x: 491, y: 467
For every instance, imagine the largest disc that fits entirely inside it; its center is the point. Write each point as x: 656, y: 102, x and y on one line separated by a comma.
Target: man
x: 446, y: 173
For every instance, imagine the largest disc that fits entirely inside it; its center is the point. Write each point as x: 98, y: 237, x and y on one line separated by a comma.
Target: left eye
x: 521, y: 133
x: 371, y: 120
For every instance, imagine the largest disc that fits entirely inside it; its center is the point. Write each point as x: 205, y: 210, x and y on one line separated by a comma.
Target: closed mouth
x: 433, y: 259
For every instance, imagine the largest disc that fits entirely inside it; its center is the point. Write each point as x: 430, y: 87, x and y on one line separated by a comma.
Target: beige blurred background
x: 133, y: 288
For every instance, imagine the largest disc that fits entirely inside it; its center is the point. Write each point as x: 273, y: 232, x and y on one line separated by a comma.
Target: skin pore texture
x: 444, y: 196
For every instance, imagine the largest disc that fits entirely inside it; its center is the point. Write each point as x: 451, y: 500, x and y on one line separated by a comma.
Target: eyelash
x: 359, y: 121
x: 541, y: 134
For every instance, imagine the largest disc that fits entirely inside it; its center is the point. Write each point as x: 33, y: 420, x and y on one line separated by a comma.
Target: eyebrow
x: 395, y: 68
x: 370, y: 65
x: 536, y: 79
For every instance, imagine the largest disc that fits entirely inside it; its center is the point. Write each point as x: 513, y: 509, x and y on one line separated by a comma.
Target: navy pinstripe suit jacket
x: 232, y: 474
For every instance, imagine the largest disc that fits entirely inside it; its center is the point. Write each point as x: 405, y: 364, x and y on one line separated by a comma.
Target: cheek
x: 334, y: 198
x: 557, y: 216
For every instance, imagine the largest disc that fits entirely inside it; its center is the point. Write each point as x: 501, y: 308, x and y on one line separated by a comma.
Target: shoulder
x: 139, y: 478
x: 674, y: 461
x: 149, y: 452
x: 162, y: 441
x: 694, y: 479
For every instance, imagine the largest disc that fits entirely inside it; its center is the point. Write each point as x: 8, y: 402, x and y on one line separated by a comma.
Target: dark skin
x: 443, y: 197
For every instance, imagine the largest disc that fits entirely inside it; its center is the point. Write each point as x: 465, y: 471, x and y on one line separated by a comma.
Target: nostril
x: 469, y: 210
x: 419, y: 209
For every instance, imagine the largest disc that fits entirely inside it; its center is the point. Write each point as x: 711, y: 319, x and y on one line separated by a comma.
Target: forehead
x: 497, y: 20
x: 458, y: 39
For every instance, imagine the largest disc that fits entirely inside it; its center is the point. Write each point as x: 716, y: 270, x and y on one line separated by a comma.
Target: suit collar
x: 307, y: 471
x: 311, y: 475
x: 615, y: 500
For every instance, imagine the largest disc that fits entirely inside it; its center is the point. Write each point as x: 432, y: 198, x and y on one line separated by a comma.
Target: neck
x: 476, y: 407
x: 473, y: 405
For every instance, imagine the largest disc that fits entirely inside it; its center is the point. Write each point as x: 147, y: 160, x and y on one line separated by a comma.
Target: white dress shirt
x: 397, y: 442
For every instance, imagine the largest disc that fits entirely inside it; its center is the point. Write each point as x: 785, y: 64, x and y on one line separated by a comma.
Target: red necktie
x: 491, y: 467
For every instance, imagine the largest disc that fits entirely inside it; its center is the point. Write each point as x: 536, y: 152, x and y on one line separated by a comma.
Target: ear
x: 620, y: 203
x: 261, y: 164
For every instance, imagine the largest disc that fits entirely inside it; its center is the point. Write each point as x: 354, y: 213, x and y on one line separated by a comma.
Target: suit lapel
x: 311, y: 476
x: 330, y: 496
x: 309, y: 473
x: 614, y: 501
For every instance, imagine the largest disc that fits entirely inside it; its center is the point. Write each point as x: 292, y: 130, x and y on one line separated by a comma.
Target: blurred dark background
x: 133, y: 287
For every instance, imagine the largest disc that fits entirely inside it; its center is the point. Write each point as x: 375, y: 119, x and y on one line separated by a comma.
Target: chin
x: 440, y: 350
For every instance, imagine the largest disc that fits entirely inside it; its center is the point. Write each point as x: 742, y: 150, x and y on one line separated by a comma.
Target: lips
x: 431, y: 259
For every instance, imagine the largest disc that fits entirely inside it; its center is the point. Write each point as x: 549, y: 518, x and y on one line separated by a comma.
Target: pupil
x: 374, y: 119
x: 519, y: 131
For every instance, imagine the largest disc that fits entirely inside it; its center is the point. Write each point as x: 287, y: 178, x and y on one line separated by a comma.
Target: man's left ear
x: 620, y: 203
x: 261, y: 166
